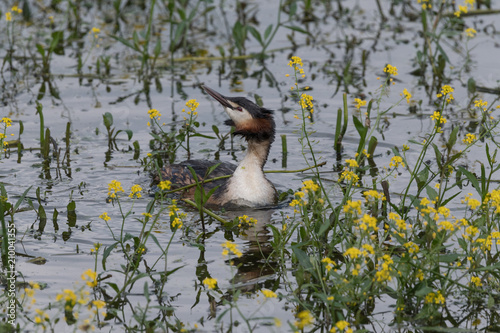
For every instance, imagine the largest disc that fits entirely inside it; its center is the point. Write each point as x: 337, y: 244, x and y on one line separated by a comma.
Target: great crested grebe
x: 248, y: 186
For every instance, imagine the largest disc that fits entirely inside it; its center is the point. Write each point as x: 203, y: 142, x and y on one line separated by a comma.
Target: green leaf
x: 472, y: 178
x: 295, y: 28
x: 453, y: 138
x: 106, y: 253
x: 157, y: 49
x: 108, y: 120
x: 450, y: 257
x: 256, y: 34
x: 431, y: 193
x: 125, y: 42
x: 268, y: 31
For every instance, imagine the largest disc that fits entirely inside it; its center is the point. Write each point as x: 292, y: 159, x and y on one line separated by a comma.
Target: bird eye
x: 239, y: 108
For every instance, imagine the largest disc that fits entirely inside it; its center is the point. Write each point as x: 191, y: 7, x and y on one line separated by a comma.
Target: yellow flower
x: 153, y: 113
x: 348, y: 176
x: 99, y: 304
x: 67, y: 295
x: 469, y: 138
x: 192, y: 104
x: 329, y: 263
x: 352, y: 207
x: 245, y: 221
x: 412, y: 247
x: 134, y: 191
x: 177, y: 223
x: 8, y: 16
x: 113, y: 188
x: 105, y: 217
x: 230, y: 247
x: 470, y: 32
x: 352, y: 163
x: 6, y: 121
x: 210, y: 283
x: 309, y: 186
x: 17, y: 9
x: 269, y: 293
x: 436, y: 116
x: 476, y: 281
x: 391, y: 70
x: 446, y: 90
x: 306, y: 102
x: 353, y: 252
x: 341, y: 325
x: 165, y: 185
x: 147, y: 215
x: 295, y: 62
x: 407, y: 95
x: 396, y: 161
x: 436, y: 298
x: 91, y: 276
x: 359, y: 103
x: 305, y: 318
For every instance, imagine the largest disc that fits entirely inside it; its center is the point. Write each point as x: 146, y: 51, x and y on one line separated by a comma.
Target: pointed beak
x: 218, y: 97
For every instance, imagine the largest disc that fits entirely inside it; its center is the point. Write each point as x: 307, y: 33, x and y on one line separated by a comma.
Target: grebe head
x: 250, y: 120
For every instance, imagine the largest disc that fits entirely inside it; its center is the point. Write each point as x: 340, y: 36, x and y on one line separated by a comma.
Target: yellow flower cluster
x: 14, y: 9
x: 426, y: 4
x: 471, y: 202
x: 245, y: 221
x: 305, y: 318
x: 391, y: 70
x: 359, y: 103
x: 135, y: 191
x: 309, y: 186
x: 469, y: 138
x: 296, y: 64
x: 446, y: 91
x: 268, y: 293
x: 210, y: 283
x: 329, y: 263
x: 6, y: 121
x: 468, y: 4
x: 352, y: 163
x: 230, y: 247
x: 342, y: 326
x: 113, y: 188
x: 68, y: 295
x: 192, y: 104
x: 165, y: 185
x: 412, y: 247
x: 352, y: 207
x: 95, y: 31
x: 90, y: 278
x: 353, y: 253
x: 105, y: 217
x: 153, y: 113
x: 396, y: 161
x: 479, y: 103
x: 438, y: 118
x: 372, y: 195
x: 306, y: 102
x: 435, y: 298
x: 384, y: 274
x: 175, y: 217
x: 470, y: 32
x: 41, y: 316
x: 407, y: 95
x: 367, y: 222
x: 476, y: 280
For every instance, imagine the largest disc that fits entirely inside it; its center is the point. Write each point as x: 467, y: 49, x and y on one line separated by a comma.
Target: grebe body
x: 248, y: 186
